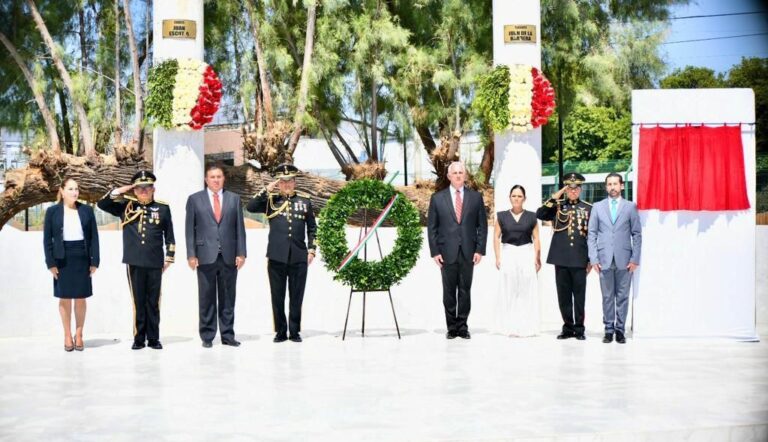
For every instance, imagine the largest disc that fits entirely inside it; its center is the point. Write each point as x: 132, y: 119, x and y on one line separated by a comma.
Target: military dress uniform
x: 147, y: 227
x: 568, y: 252
x: 292, y: 231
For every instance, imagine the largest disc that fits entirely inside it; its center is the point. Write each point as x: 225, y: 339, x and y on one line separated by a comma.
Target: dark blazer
x: 446, y: 234
x: 53, y: 233
x: 205, y: 237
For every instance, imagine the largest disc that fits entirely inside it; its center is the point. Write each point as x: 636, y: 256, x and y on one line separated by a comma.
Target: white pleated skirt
x: 517, y: 300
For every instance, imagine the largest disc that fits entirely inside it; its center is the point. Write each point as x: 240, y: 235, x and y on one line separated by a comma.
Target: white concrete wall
x: 27, y: 306
x: 697, y: 272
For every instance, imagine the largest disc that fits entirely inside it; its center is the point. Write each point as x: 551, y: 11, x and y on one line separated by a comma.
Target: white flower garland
x: 186, y: 90
x: 520, y: 95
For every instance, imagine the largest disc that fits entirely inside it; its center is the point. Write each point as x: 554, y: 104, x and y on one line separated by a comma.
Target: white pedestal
x: 517, y: 155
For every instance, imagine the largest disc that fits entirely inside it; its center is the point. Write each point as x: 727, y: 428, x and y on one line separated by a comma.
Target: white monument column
x: 178, y: 160
x: 517, y: 155
x: 178, y: 154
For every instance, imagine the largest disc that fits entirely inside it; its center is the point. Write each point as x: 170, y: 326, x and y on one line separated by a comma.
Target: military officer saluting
x: 147, y: 226
x: 568, y: 251
x: 291, y: 246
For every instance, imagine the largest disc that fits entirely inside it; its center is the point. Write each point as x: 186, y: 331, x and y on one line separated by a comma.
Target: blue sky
x: 718, y: 55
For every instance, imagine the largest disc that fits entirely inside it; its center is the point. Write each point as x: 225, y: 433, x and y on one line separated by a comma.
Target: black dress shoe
x: 207, y: 344
x: 565, y: 335
x: 581, y: 337
x: 465, y: 335
x: 295, y: 338
x: 137, y: 345
x: 230, y: 342
x: 450, y: 335
x: 608, y: 338
x: 280, y: 338
x: 620, y: 338
x: 155, y: 345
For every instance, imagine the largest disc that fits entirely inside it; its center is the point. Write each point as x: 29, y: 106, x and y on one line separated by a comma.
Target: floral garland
x: 331, y: 235
x: 517, y: 98
x: 182, y: 94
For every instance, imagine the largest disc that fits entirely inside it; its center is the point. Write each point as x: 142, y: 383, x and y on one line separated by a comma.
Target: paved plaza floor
x: 420, y: 388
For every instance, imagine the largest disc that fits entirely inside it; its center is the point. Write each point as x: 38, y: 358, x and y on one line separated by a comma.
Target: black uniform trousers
x: 571, y: 290
x: 296, y: 276
x: 145, y: 283
x: 457, y: 283
x: 217, y: 282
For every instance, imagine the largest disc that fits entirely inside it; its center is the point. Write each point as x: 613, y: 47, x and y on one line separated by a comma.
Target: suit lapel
x: 622, y: 207
x: 464, y: 205
x: 449, y: 201
x: 208, y: 201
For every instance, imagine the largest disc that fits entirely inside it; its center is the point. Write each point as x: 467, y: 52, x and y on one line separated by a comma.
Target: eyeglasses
x: 143, y: 189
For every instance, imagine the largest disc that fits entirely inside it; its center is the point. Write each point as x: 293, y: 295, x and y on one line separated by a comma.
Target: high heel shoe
x: 80, y: 347
x: 70, y: 347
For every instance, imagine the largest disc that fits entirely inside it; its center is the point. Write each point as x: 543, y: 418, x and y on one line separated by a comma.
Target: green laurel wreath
x: 331, y: 236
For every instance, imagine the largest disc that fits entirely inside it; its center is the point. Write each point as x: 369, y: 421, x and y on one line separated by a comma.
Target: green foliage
x: 492, y: 98
x: 692, y: 77
x: 597, y: 133
x: 331, y: 235
x: 753, y: 73
x: 159, y: 103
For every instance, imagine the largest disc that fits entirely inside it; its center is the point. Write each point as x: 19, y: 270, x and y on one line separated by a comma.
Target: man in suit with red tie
x: 215, y: 234
x: 457, y: 229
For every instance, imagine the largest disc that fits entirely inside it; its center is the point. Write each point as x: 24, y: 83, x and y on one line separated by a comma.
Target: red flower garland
x: 543, y: 101
x: 208, y: 100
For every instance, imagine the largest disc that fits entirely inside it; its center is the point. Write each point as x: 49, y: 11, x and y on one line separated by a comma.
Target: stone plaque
x: 519, y: 34
x: 180, y: 29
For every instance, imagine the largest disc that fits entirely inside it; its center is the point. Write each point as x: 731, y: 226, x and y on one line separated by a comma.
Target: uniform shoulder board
x: 162, y: 202
x: 130, y: 198
x: 303, y: 194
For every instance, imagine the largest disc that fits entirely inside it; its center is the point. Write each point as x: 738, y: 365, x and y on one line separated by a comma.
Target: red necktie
x: 458, y: 206
x: 216, y: 207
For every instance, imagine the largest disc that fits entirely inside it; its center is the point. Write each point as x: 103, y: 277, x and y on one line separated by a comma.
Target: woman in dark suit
x: 71, y: 244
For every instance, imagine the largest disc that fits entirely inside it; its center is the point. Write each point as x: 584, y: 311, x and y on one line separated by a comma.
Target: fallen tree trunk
x: 39, y: 183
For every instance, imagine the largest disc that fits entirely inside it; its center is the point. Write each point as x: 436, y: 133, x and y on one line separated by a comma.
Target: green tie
x: 614, y: 204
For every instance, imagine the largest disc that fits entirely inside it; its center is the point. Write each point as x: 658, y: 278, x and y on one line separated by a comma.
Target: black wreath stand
x: 364, y: 231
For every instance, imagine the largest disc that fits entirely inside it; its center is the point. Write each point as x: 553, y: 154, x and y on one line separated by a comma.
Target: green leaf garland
x: 331, y: 235
x: 160, y: 85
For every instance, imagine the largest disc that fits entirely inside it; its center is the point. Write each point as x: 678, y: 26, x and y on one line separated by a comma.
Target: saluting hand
x: 559, y: 193
x: 55, y: 271
x: 124, y: 189
x: 271, y: 186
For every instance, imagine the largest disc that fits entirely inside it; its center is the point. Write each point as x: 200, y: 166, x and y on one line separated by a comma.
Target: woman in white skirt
x: 518, y: 258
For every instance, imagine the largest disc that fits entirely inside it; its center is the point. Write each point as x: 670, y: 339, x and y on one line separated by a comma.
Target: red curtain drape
x: 691, y: 168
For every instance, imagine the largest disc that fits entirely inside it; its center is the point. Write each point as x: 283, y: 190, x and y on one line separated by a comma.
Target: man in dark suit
x: 290, y: 216
x: 215, y: 234
x: 457, y: 229
x: 568, y: 252
x: 147, y: 225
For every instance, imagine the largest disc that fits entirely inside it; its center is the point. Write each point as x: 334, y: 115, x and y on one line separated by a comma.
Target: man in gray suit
x: 457, y: 229
x: 215, y: 234
x: 614, y: 241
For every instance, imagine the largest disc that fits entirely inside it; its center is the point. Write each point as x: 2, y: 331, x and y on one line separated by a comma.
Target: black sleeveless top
x: 517, y: 233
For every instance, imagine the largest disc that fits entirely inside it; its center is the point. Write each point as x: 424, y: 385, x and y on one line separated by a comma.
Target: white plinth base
x: 378, y: 388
